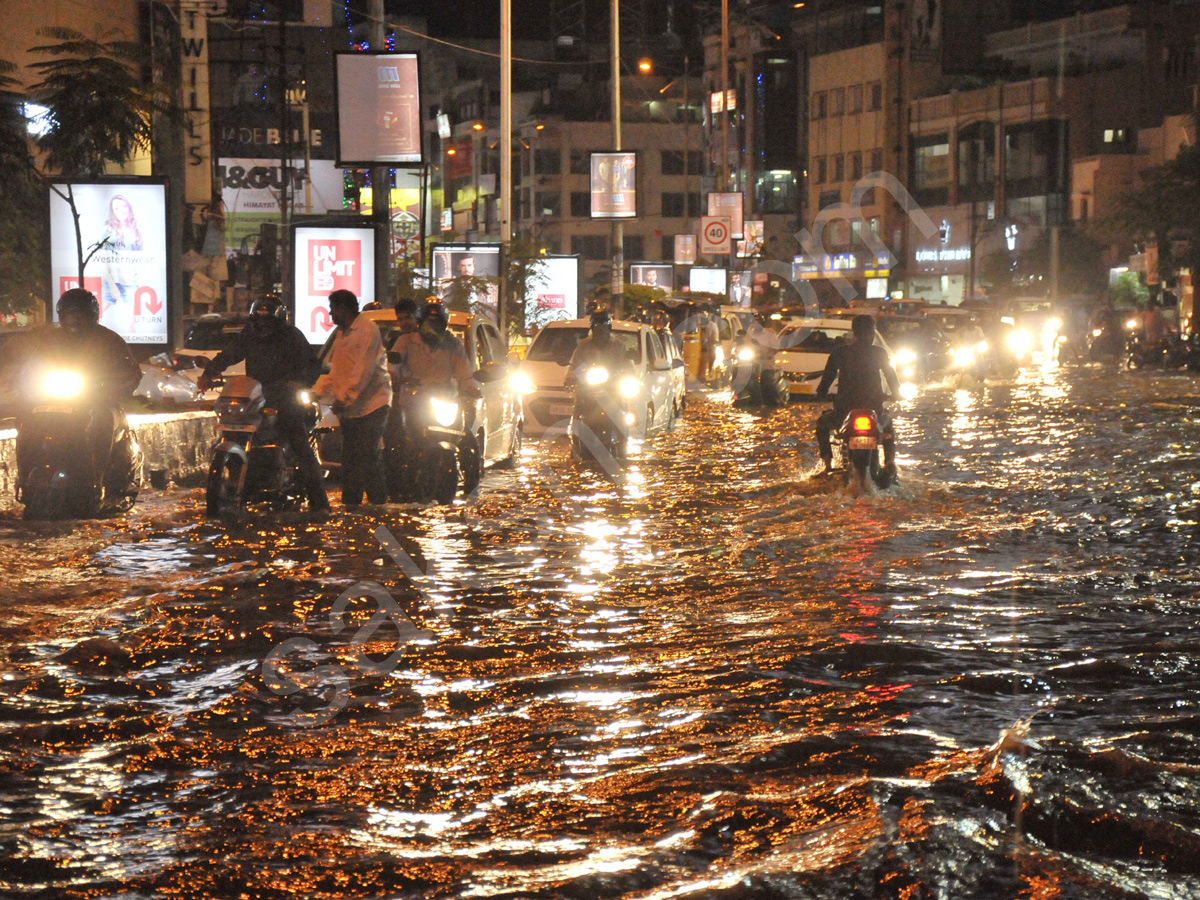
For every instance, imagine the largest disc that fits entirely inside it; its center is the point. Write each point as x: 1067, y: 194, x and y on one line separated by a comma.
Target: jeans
x: 362, y: 461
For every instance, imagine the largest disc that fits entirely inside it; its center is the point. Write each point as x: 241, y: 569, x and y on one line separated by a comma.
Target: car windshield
x: 558, y: 344
x: 211, y: 335
x: 813, y: 340
x: 1031, y: 306
x: 898, y: 329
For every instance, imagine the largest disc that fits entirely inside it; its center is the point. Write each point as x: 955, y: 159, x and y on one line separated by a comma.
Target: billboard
x: 125, y: 223
x: 250, y: 190
x: 685, y: 249
x: 467, y: 277
x: 379, y: 109
x: 554, y: 292
x: 614, y: 185
x: 708, y: 281
x: 328, y: 259
x: 729, y: 205
x: 657, y: 275
x: 752, y: 245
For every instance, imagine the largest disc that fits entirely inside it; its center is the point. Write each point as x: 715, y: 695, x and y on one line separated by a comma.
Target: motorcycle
x: 861, y: 438
x: 251, y: 463
x: 76, y: 455
x: 1105, y: 343
x: 1139, y: 354
x: 435, y: 451
x: 971, y: 358
x: 754, y: 378
x: 601, y: 417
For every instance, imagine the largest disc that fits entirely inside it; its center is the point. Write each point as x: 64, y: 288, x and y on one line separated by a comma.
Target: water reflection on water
x: 710, y: 676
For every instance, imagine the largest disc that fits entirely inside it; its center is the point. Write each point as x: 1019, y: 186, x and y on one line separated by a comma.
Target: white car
x: 804, y: 348
x: 542, y: 376
x: 162, y: 383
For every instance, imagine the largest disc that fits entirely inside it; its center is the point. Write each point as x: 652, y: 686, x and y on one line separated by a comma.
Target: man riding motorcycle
x: 280, y: 358
x: 598, y: 348
x: 860, y: 367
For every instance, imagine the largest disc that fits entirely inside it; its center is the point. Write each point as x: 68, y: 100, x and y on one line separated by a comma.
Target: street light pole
x: 723, y: 170
x: 381, y: 190
x: 506, y: 174
x: 617, y: 282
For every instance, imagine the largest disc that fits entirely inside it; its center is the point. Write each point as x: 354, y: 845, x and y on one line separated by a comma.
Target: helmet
x: 78, y: 300
x: 269, y: 305
x: 601, y: 317
x: 434, y: 309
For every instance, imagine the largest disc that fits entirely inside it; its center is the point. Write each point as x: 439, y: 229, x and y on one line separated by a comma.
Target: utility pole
x: 723, y: 170
x: 506, y: 186
x: 617, y: 281
x: 381, y: 190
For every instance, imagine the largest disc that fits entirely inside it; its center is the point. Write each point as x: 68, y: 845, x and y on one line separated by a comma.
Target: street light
x: 645, y: 65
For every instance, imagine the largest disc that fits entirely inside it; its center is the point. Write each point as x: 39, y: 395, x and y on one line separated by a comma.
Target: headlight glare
x: 522, y: 383
x: 746, y: 354
x: 444, y: 413
x: 596, y: 375
x: 62, y: 384
x: 629, y: 387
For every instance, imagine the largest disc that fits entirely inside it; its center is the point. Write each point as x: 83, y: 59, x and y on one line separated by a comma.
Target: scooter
x: 436, y: 452
x: 76, y: 455
x: 251, y: 463
x: 861, y: 438
x: 602, y: 417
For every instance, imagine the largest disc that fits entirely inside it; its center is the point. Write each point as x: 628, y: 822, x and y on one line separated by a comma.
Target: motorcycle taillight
x: 861, y: 423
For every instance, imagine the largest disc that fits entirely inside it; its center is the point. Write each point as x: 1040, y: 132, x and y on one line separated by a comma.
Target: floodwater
x: 712, y: 676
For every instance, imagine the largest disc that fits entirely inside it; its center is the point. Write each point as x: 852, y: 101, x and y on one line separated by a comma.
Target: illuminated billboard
x: 467, y: 277
x: 328, y: 259
x: 614, y: 185
x: 553, y: 293
x: 379, y: 109
x: 707, y: 281
x: 655, y: 275
x: 123, y: 225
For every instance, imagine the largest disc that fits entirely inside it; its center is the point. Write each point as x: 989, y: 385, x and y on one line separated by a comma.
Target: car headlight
x: 304, y: 397
x: 908, y: 372
x: 1096, y: 332
x: 982, y: 348
x: 444, y: 413
x: 629, y: 387
x: 596, y: 375
x: 62, y: 384
x: 908, y: 390
x: 746, y: 354
x: 905, y: 357
x: 1020, y: 342
x: 964, y: 356
x: 522, y: 383
x: 1053, y: 325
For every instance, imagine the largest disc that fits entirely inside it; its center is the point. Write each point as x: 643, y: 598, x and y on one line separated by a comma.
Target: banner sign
x: 126, y: 224
x: 728, y: 204
x: 459, y: 273
x: 708, y: 281
x: 655, y: 275
x: 614, y: 185
x: 553, y: 293
x: 685, y: 249
x: 379, y: 109
x: 325, y: 260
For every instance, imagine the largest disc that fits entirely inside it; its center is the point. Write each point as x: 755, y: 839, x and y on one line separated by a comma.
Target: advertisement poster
x: 752, y: 242
x: 126, y: 225
x: 553, y: 293
x: 250, y: 190
x: 730, y: 206
x: 658, y: 275
x: 327, y: 260
x: 468, y: 277
x: 741, y: 292
x: 685, y: 249
x: 614, y: 185
x: 379, y: 109
x: 707, y: 281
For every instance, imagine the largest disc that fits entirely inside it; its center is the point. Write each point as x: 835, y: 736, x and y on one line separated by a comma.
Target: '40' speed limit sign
x: 715, y: 237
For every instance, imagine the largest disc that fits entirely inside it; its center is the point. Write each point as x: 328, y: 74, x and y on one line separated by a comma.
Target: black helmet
x: 269, y: 305
x: 601, y: 317
x: 80, y: 301
x: 434, y: 309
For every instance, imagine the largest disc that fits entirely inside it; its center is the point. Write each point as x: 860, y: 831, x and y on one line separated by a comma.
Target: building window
x: 931, y: 169
x: 830, y: 198
x: 855, y: 166
x: 634, y: 247
x: 875, y: 92
x: 695, y: 162
x: 672, y: 162
x: 839, y: 169
x: 819, y: 170
x: 590, y: 246
x: 672, y: 205
x: 581, y: 204
x: 877, y: 159
x: 668, y: 247
x: 547, y: 203
x: 856, y: 231
x: 1117, y: 135
x: 854, y: 99
x: 547, y: 162
x: 818, y: 105
x: 839, y: 233
x: 837, y: 102
x: 694, y: 206
x: 873, y: 225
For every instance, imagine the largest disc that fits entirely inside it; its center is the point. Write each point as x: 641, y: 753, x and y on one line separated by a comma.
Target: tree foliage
x: 22, y: 237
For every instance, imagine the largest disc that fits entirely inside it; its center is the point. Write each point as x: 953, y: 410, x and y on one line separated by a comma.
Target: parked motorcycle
x: 251, y: 463
x: 1139, y: 354
x: 76, y: 456
x: 602, y: 417
x: 861, y: 439
x: 436, y: 451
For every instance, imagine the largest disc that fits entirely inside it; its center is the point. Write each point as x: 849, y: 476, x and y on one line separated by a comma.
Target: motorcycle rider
x: 406, y: 316
x: 431, y: 356
x: 861, y: 367
x: 1158, y: 332
x: 598, y: 348
x: 280, y: 358
x: 82, y: 342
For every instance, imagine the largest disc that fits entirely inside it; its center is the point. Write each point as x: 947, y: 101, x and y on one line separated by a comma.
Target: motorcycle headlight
x: 444, y: 413
x: 1133, y: 324
x: 629, y: 387
x: 522, y: 383
x: 981, y: 348
x: 304, y: 397
x: 746, y: 354
x: 964, y: 356
x: 62, y: 384
x: 1053, y: 325
x: 1096, y: 332
x: 1020, y: 342
x: 596, y: 375
x: 905, y: 357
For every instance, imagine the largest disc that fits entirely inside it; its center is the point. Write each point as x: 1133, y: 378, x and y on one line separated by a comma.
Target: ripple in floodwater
x: 713, y: 675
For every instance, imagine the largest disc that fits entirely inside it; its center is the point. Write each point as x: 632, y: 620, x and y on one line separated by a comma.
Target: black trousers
x: 293, y: 432
x: 362, y: 461
x: 832, y: 419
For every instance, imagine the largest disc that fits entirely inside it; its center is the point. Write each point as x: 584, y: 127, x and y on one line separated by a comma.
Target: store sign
x: 838, y: 263
x: 250, y: 190
x: 718, y: 103
x: 327, y: 260
x: 944, y: 254
x: 126, y: 224
x: 804, y: 269
x: 197, y: 136
x: 614, y: 185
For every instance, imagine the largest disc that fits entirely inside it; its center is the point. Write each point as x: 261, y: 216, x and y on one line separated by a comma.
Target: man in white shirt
x: 360, y: 391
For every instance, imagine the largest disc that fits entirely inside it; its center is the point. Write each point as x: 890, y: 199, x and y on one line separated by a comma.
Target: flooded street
x: 713, y: 676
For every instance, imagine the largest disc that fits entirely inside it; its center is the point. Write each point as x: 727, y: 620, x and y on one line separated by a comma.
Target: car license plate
x: 67, y: 410
x: 560, y: 409
x: 863, y: 443
x: 239, y: 428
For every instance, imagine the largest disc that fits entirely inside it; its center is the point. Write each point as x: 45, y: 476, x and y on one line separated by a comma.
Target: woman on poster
x: 121, y: 237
